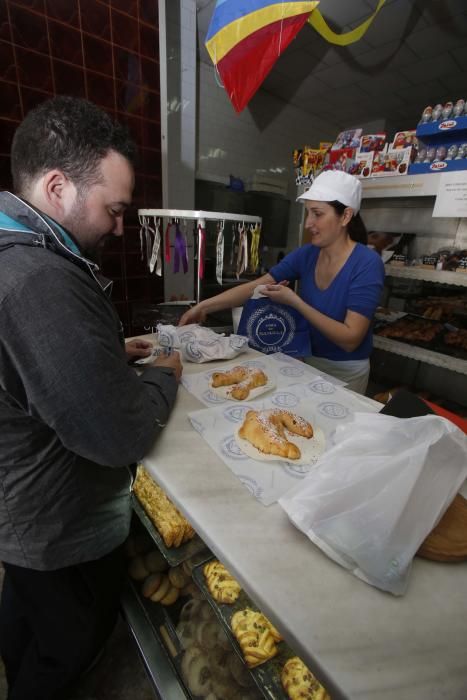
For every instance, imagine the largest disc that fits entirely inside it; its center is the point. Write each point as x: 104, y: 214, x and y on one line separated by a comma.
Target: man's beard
x: 77, y: 223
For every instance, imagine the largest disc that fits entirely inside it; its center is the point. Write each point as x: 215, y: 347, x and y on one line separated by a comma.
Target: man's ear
x: 58, y: 192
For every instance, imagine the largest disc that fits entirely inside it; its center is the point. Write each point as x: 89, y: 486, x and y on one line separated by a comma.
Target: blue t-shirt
x: 357, y: 286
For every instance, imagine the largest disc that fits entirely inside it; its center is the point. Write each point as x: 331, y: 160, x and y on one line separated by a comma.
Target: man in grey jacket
x: 73, y: 413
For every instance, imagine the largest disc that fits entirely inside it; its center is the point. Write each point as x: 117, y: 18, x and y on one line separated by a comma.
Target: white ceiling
x: 414, y: 54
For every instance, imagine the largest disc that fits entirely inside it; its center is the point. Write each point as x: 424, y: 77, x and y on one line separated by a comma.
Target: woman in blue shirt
x: 340, y: 281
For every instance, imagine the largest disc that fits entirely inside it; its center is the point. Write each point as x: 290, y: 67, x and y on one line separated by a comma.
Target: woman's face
x: 323, y: 224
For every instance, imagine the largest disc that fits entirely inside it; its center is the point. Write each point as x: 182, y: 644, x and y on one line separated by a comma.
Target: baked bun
x: 242, y: 380
x: 256, y: 636
x: 265, y: 430
x: 222, y: 585
x: 299, y: 682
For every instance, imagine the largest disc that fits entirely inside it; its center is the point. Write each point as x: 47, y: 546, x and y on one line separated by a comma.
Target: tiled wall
x: 261, y: 138
x: 108, y: 52
x: 258, y: 141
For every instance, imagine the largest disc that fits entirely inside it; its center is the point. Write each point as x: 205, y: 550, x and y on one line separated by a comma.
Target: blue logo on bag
x: 274, y: 328
x: 271, y: 329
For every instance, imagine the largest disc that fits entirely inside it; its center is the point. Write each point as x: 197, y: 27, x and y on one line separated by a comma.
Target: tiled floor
x: 120, y: 674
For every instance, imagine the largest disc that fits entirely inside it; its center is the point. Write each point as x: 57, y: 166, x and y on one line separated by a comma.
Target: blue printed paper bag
x: 272, y: 327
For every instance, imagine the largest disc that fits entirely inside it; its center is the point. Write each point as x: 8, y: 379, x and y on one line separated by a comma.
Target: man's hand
x: 194, y: 315
x: 137, y: 348
x: 172, y: 361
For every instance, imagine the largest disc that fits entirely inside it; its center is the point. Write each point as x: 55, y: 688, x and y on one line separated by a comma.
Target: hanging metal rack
x: 200, y: 216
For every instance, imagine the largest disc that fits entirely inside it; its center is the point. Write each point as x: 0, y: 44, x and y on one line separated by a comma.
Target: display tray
x: 411, y: 330
x: 267, y: 675
x: 162, y: 621
x: 173, y: 555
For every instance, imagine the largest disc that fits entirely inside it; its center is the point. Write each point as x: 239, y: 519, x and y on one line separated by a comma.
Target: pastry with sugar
x: 265, y: 430
x: 242, y: 380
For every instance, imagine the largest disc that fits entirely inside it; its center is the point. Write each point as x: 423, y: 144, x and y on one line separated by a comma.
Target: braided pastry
x: 265, y: 430
x: 243, y: 378
x: 256, y: 636
x: 299, y: 683
x: 222, y: 585
x: 172, y: 525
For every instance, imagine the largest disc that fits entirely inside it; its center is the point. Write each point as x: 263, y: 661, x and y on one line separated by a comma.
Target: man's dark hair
x: 70, y: 134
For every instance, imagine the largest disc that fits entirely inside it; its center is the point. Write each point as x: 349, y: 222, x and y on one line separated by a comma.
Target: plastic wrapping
x: 376, y: 495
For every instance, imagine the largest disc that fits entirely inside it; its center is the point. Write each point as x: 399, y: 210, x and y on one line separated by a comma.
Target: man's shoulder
x: 26, y: 265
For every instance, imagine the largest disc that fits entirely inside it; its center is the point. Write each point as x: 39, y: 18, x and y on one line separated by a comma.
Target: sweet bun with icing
x: 242, y: 380
x: 265, y: 430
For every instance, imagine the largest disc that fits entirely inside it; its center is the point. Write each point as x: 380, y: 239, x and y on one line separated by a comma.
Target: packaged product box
x: 391, y: 162
x: 341, y: 159
x: 362, y: 164
x: 403, y: 139
x: 347, y: 139
x: 372, y: 142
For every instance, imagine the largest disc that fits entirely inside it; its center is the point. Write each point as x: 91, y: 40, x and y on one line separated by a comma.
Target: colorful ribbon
x: 167, y: 242
x: 242, y: 254
x: 201, y: 249
x: 220, y: 251
x: 232, y: 248
x: 254, y: 248
x: 318, y: 23
x: 180, y: 250
x: 156, y: 258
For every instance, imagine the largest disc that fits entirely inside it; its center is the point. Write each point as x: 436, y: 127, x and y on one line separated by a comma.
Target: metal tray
x: 437, y: 344
x: 267, y: 675
x: 162, y: 626
x: 173, y: 555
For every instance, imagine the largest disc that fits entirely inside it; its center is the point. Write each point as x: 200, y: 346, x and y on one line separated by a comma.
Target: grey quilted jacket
x: 73, y: 414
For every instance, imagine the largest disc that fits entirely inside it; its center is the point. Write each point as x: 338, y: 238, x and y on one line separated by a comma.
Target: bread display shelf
x: 148, y: 623
x: 173, y: 555
x: 267, y: 675
x: 427, y: 275
x: 415, y: 352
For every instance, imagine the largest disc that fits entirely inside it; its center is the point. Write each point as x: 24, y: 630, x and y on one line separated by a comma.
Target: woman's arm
x: 236, y: 296
x: 347, y: 334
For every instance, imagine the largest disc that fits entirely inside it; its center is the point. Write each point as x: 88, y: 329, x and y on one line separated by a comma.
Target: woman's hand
x: 281, y: 294
x: 137, y: 348
x: 194, y: 315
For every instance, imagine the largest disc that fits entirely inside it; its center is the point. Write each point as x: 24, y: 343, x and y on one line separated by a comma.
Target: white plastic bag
x: 198, y: 344
x: 374, y: 497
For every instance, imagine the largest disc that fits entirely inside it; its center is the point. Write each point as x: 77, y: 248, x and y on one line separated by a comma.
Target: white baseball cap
x: 335, y: 185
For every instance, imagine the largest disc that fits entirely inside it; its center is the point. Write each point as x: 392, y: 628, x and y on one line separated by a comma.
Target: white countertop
x: 362, y: 643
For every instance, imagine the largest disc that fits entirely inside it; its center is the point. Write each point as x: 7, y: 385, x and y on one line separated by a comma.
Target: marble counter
x: 362, y: 643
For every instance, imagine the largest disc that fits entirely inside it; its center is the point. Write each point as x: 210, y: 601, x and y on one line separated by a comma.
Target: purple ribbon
x: 180, y: 250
